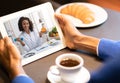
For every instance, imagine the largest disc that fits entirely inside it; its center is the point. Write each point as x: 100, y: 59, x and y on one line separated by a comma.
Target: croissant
x: 79, y: 11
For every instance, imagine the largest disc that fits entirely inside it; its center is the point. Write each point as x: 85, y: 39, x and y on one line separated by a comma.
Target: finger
x: 9, y: 44
x: 8, y: 41
x: 2, y: 51
x: 63, y: 18
x: 1, y: 46
x: 60, y: 18
x: 12, y: 49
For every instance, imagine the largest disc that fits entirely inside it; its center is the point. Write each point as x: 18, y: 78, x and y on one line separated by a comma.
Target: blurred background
x: 10, y: 6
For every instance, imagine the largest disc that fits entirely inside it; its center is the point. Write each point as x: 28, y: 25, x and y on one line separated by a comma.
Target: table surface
x: 39, y: 68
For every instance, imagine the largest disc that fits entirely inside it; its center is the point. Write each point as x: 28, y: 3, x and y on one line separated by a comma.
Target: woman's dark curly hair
x: 20, y: 23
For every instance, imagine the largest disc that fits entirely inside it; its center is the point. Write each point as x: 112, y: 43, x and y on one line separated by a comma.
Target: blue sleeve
x: 22, y: 79
x: 108, y: 49
x: 110, y: 71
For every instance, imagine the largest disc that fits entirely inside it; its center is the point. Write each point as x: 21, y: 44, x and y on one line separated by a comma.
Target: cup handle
x: 54, y: 70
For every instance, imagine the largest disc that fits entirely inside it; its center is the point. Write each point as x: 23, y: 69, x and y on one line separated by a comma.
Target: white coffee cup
x: 67, y: 73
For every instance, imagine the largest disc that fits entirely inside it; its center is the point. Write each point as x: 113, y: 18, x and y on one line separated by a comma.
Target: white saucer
x: 83, y: 77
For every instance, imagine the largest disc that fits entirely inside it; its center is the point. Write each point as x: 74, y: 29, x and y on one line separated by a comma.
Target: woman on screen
x: 30, y: 38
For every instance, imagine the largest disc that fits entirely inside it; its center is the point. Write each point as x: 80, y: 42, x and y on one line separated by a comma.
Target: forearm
x: 86, y: 43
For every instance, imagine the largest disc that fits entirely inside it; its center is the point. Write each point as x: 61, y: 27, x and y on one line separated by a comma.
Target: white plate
x: 83, y: 77
x: 100, y: 15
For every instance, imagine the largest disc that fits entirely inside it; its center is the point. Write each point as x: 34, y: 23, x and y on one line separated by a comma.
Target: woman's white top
x: 31, y: 40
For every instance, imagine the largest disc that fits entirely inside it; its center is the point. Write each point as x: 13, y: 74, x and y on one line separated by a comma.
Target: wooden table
x: 39, y: 68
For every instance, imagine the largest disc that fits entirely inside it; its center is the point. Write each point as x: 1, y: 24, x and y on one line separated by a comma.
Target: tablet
x: 34, y: 31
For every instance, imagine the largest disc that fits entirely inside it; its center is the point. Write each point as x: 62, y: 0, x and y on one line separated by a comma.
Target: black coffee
x: 69, y: 62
